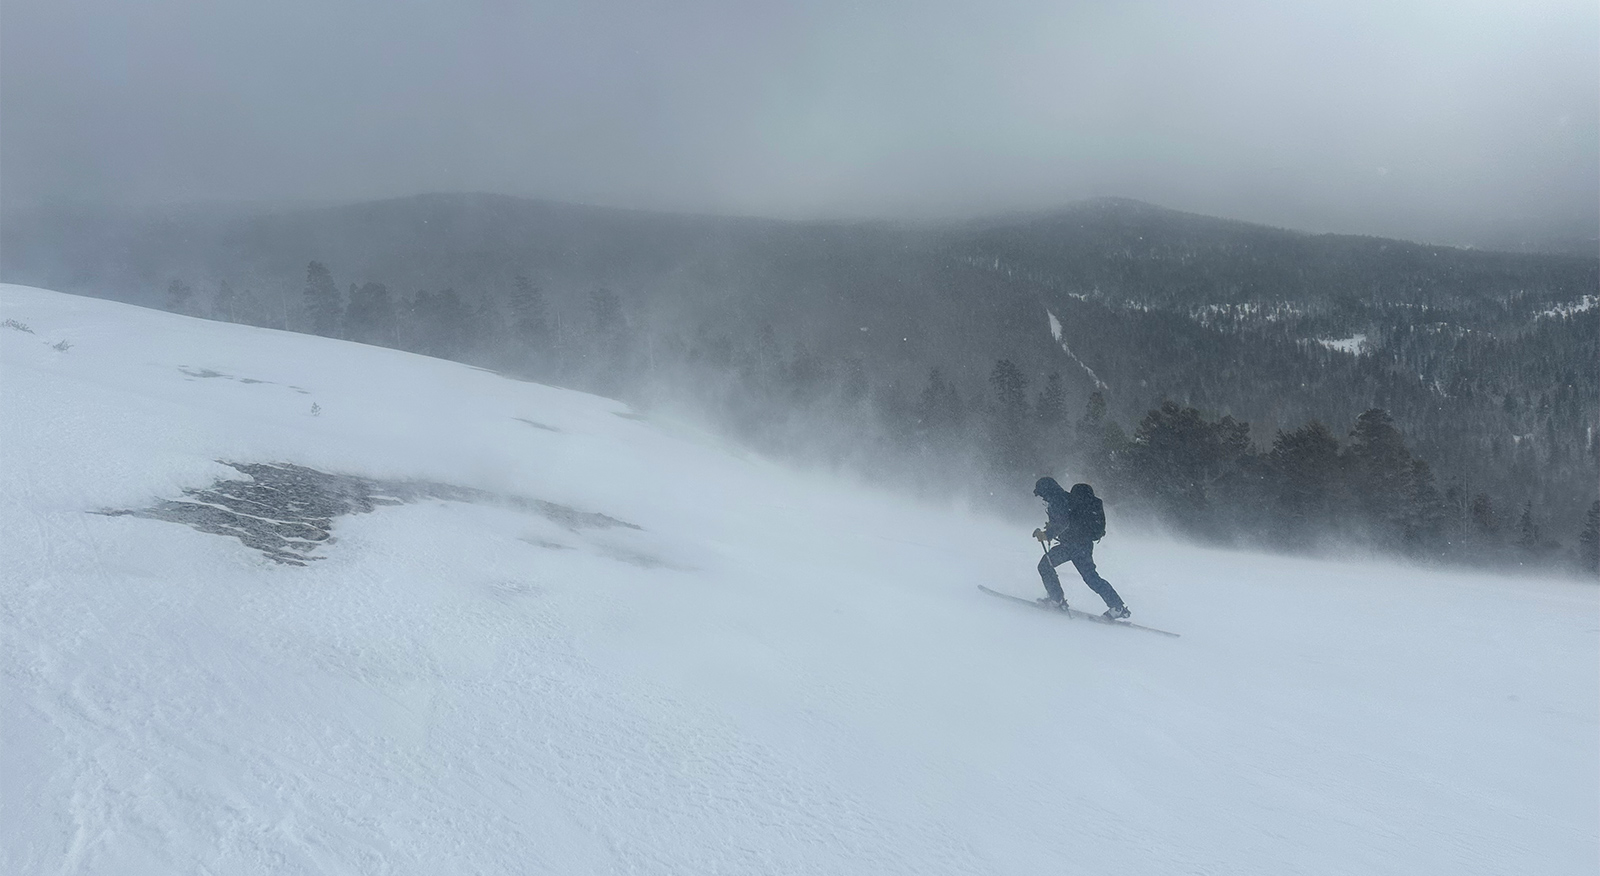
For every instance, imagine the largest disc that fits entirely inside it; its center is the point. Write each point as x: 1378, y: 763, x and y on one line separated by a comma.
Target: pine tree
x: 1589, y: 540
x: 1104, y: 444
x: 452, y: 319
x: 1050, y: 410
x: 610, y: 357
x: 528, y: 306
x: 486, y: 331
x: 1094, y: 412
x: 531, y: 327
x: 1485, y: 525
x: 180, y: 298
x: 1426, y: 511
x: 370, y: 318
x: 323, y: 308
x: 1307, y: 471
x: 1380, y: 472
x: 1456, y: 505
x: 250, y: 308
x: 1008, y: 427
x: 938, y: 410
x: 1051, y: 434
x: 1177, y: 457
x: 440, y: 324
x: 1527, y: 529
x: 1011, y: 388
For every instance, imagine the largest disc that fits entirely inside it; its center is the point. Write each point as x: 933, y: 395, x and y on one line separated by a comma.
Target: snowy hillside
x: 279, y: 604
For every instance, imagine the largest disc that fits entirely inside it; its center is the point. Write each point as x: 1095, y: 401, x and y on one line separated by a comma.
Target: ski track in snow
x: 773, y: 674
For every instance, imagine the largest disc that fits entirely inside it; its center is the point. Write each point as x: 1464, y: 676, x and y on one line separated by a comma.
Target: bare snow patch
x: 1055, y: 332
x: 1587, y: 302
x: 1354, y: 345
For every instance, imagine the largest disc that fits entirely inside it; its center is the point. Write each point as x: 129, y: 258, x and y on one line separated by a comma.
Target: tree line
x: 1312, y: 488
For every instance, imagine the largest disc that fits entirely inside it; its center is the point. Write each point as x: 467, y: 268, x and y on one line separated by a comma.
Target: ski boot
x: 1052, y: 602
x: 1117, y: 613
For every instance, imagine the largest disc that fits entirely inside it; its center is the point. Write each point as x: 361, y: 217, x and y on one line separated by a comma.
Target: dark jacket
x: 1071, y: 517
x: 1058, y: 509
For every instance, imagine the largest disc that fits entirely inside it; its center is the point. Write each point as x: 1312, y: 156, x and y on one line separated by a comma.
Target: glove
x: 1038, y: 535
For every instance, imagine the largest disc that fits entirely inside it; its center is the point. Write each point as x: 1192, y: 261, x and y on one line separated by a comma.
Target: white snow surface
x: 779, y: 673
x: 1352, y: 345
x: 1055, y: 332
x: 1587, y: 302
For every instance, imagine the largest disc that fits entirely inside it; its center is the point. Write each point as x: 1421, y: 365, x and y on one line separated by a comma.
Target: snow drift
x: 745, y: 671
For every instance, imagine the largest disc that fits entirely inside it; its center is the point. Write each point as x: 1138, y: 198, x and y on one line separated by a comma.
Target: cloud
x: 1422, y: 119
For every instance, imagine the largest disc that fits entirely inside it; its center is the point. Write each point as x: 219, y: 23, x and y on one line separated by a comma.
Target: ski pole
x: 1046, y: 547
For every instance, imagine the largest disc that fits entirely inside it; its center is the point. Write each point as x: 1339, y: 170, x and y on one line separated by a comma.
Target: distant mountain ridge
x: 33, y: 237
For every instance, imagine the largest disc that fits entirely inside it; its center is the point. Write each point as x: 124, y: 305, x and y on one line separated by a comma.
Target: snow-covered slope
x: 770, y: 674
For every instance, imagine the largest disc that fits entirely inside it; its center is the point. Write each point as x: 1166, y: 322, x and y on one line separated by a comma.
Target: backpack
x: 1091, y: 513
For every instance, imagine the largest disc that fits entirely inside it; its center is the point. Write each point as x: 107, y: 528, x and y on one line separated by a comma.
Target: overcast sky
x: 1431, y: 120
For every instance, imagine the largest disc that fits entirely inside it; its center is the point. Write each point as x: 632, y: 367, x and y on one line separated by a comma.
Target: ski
x: 1081, y: 615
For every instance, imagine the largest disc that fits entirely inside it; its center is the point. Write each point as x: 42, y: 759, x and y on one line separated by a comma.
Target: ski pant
x: 1082, y: 557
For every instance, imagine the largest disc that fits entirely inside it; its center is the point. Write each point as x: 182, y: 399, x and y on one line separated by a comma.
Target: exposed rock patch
x: 286, y: 511
x: 208, y: 374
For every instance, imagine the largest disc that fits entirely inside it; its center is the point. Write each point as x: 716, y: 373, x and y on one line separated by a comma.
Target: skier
x: 1076, y: 521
